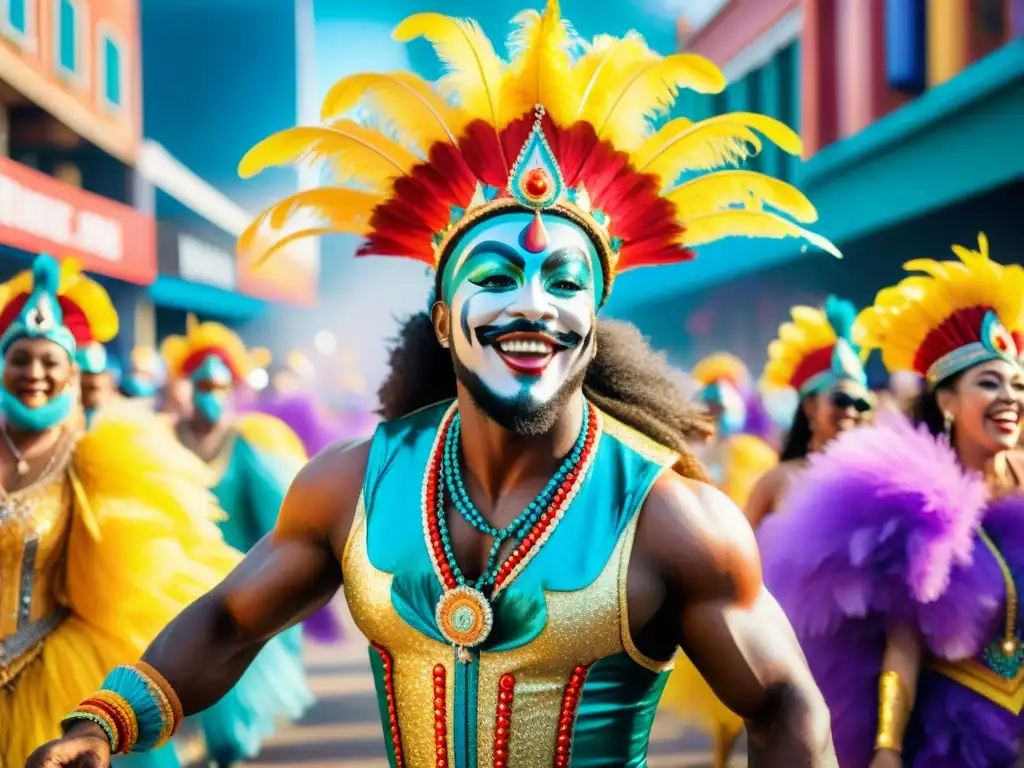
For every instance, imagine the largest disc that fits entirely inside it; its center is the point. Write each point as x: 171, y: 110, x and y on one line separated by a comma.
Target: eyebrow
x: 495, y: 248
x: 564, y: 256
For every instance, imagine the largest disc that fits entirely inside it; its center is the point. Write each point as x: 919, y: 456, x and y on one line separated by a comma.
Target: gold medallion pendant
x: 464, y: 617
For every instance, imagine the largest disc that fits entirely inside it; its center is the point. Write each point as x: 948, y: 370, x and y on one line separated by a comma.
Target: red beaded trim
x: 542, y: 529
x: 567, y: 717
x: 503, y: 724
x: 440, y: 717
x: 430, y: 480
x: 389, y: 687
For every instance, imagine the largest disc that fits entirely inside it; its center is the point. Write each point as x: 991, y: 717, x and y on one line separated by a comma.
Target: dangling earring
x: 445, y: 342
x: 947, y: 426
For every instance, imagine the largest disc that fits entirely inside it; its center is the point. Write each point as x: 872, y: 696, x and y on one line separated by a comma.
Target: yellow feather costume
x: 96, y: 557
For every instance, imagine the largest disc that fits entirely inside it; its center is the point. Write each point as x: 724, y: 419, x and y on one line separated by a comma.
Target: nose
x: 531, y: 303
x: 35, y: 369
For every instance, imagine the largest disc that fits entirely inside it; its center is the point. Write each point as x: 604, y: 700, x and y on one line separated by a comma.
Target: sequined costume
x: 98, y: 554
x: 541, y: 669
x: 886, y: 526
x: 252, y: 472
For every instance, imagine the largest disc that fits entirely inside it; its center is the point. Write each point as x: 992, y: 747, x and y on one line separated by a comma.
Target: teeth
x: 524, y: 347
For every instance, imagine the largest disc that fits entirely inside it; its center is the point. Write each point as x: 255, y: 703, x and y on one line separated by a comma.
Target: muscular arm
x: 290, y: 573
x: 762, y: 499
x: 730, y: 627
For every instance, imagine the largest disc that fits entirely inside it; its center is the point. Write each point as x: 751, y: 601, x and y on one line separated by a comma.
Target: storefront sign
x: 194, y: 259
x: 40, y: 214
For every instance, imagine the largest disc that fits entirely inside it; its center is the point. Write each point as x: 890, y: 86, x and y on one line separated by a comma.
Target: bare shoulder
x: 324, y: 495
x: 699, y: 541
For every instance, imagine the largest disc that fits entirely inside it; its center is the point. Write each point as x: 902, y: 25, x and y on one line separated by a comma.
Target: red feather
x: 813, y: 363
x: 961, y: 328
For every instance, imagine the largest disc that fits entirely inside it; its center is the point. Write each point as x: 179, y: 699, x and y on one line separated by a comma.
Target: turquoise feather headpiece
x: 41, y: 317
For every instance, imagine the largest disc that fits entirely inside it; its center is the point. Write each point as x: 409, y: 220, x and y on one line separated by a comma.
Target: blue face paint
x: 211, y: 380
x: 90, y: 415
x: 136, y: 386
x: 38, y: 419
x: 210, y: 405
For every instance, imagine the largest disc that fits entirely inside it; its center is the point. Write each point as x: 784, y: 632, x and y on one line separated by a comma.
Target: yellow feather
x: 721, y: 190
x: 541, y: 72
x: 474, y: 70
x: 599, y: 71
x: 276, y: 245
x: 354, y: 152
x: 717, y: 226
x: 722, y: 140
x: 649, y: 88
x: 343, y: 210
x: 413, y: 110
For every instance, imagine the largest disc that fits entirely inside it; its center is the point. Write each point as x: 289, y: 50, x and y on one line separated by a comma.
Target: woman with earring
x: 254, y: 458
x: 104, y: 536
x: 899, y: 556
x: 815, y: 356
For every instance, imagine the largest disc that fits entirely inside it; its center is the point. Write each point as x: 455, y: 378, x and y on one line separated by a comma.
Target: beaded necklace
x: 1005, y: 657
x: 464, y: 612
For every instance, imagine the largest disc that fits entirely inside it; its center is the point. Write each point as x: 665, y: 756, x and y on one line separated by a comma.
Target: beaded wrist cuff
x: 136, y: 708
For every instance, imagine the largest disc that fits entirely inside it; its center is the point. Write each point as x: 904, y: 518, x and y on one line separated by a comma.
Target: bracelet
x: 892, y: 712
x: 136, y: 708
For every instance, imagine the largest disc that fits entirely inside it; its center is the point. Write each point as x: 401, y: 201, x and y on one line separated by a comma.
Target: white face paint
x: 523, y: 323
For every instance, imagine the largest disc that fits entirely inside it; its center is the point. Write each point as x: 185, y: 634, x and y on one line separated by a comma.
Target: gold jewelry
x: 947, y: 425
x: 893, y: 712
x: 22, y: 466
x: 446, y: 341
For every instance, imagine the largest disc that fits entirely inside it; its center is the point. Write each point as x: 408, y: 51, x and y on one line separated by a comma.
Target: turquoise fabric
x: 622, y: 694
x: 616, y: 713
x: 274, y: 688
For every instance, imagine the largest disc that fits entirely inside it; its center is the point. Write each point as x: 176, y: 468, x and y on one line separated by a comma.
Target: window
x: 18, y: 21
x: 110, y: 67
x: 69, y: 23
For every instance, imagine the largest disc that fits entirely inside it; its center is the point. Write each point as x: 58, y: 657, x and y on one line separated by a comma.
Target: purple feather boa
x: 881, y: 527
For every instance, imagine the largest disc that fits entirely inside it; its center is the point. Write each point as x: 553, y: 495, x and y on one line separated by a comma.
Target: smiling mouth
x: 527, y: 354
x: 1006, y: 421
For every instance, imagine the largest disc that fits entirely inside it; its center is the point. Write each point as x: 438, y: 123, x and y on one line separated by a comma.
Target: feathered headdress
x: 57, y: 302
x: 721, y: 366
x: 954, y: 315
x: 564, y: 127
x: 815, y: 349
x: 204, y: 343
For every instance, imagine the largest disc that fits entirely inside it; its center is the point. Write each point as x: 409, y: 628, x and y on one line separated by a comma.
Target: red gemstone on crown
x: 536, y: 183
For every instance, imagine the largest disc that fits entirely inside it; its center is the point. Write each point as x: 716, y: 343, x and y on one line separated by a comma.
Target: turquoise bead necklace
x: 520, y: 527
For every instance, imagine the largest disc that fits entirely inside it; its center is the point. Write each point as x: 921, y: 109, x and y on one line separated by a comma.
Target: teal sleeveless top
x: 558, y: 681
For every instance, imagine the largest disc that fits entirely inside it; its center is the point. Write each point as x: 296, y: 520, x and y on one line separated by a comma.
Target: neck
x: 500, y: 460
x: 201, y: 427
x: 817, y: 444
x: 993, y: 467
x: 22, y: 437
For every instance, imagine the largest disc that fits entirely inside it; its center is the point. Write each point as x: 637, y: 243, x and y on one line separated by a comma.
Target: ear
x: 809, y: 405
x: 441, y: 318
x: 947, y: 401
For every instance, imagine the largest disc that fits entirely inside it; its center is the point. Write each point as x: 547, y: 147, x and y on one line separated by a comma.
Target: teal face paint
x: 211, y: 380
x: 38, y: 419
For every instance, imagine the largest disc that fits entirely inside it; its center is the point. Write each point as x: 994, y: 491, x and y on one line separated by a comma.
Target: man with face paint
x: 144, y: 376
x: 254, y: 457
x: 96, y: 382
x: 526, y: 540
x: 816, y: 356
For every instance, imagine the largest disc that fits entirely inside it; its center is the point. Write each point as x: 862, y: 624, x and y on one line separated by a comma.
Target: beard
x: 522, y: 414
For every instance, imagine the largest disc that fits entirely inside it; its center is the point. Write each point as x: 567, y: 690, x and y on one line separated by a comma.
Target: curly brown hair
x: 627, y: 379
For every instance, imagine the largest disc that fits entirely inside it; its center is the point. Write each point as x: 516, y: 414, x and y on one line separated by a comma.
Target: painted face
x: 38, y: 378
x: 522, y: 322
x: 212, y: 383
x: 725, y: 403
x: 987, y: 405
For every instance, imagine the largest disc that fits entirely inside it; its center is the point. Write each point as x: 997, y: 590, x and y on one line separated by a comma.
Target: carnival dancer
x: 254, y: 457
x: 104, y: 537
x: 144, y: 375
x: 737, y: 456
x: 899, y: 555
x: 486, y: 531
x: 816, y: 356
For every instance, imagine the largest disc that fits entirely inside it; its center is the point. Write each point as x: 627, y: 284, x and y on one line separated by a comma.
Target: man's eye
x: 566, y: 285
x: 496, y: 281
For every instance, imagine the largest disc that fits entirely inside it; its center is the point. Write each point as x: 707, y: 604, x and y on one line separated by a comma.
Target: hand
x: 887, y: 758
x: 84, y: 745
